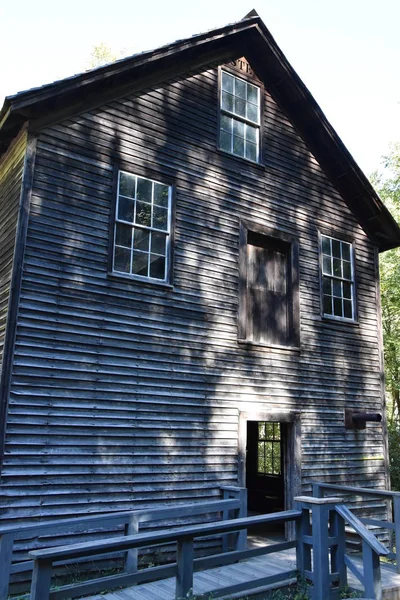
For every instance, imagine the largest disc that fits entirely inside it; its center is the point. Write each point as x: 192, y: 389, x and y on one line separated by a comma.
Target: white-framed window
x: 240, y: 117
x: 338, y: 291
x: 142, y: 228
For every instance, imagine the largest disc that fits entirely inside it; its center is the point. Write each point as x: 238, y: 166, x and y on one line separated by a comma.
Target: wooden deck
x: 241, y: 574
x: 238, y: 576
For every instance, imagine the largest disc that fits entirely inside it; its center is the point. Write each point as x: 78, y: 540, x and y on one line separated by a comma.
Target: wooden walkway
x: 236, y: 575
x: 241, y: 574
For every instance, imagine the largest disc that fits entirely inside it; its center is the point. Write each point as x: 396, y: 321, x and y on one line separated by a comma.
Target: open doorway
x: 265, y: 466
x: 270, y: 461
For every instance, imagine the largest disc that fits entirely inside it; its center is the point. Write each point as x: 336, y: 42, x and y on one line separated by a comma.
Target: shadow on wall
x: 131, y: 392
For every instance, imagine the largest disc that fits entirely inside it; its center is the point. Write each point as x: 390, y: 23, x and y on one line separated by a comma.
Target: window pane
x: 123, y: 235
x: 122, y: 260
x: 144, y: 187
x: 336, y: 248
x: 337, y: 307
x: 252, y: 94
x: 160, y: 218
x: 227, y: 101
x: 225, y: 141
x: 337, y: 267
x: 143, y: 214
x: 327, y: 305
x: 268, y: 457
x: 238, y: 128
x: 327, y: 265
x: 327, y: 285
x: 157, y: 266
x: 346, y: 251
x: 269, y: 430
x: 158, y: 243
x: 253, y: 113
x: 348, y: 309
x: 261, y: 431
x: 346, y: 270
x: 127, y: 184
x: 251, y: 134
x: 161, y: 194
x: 139, y: 263
x: 251, y: 151
x: 227, y: 82
x: 226, y: 123
x: 337, y: 288
x: 141, y: 239
x: 240, y: 107
x: 261, y: 458
x: 346, y: 289
x: 277, y: 459
x: 238, y: 145
x: 326, y: 245
x: 126, y: 209
x: 240, y: 88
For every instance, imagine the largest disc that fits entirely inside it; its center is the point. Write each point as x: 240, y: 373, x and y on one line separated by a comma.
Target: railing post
x: 131, y: 559
x: 317, y: 490
x: 240, y: 539
x: 396, y: 516
x: 338, y: 551
x: 303, y: 547
x: 372, y: 573
x: 6, y: 550
x: 321, y: 544
x: 184, y: 574
x: 41, y: 580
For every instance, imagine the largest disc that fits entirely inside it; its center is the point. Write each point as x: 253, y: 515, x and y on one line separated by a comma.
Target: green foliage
x: 394, y: 453
x: 100, y: 55
x: 388, y: 187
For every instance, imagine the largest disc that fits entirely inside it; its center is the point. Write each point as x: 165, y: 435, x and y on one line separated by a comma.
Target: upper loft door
x: 265, y: 477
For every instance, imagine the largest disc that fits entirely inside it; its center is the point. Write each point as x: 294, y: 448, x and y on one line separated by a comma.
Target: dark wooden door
x: 265, y: 466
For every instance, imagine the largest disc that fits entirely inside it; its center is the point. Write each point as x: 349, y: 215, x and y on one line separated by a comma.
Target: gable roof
x: 249, y: 38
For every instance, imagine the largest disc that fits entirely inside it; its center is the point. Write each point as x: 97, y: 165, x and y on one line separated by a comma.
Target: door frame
x: 292, y: 449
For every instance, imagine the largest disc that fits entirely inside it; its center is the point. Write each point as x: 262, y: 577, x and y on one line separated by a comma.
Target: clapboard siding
x: 127, y: 394
x: 11, y: 171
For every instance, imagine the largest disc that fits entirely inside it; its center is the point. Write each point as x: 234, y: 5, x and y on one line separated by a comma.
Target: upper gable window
x: 338, y: 294
x: 142, y: 228
x: 240, y: 117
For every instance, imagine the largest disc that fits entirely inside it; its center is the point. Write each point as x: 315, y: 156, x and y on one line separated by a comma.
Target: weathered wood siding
x: 126, y: 394
x: 11, y: 172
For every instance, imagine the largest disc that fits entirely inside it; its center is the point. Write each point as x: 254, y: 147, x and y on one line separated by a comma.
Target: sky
x: 347, y: 52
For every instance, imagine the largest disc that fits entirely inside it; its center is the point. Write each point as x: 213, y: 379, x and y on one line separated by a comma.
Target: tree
x: 100, y: 55
x: 387, y: 184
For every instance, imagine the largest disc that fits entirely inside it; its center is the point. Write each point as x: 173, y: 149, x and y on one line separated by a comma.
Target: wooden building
x: 189, y: 286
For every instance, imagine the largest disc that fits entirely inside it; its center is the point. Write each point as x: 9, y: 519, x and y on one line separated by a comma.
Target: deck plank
x: 246, y: 571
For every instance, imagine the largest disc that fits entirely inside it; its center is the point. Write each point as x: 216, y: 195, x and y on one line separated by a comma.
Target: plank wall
x: 124, y: 394
x: 11, y: 171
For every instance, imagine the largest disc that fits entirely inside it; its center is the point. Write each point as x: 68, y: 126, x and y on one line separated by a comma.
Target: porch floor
x: 245, y: 572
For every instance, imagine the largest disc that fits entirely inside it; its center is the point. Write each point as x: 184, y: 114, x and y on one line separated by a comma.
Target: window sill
x: 146, y: 282
x: 266, y: 345
x: 242, y: 159
x: 350, y: 322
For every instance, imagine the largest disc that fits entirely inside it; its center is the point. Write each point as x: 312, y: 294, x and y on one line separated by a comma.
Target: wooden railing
x: 233, y: 504
x: 321, y: 553
x: 182, y: 569
x: 321, y: 490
